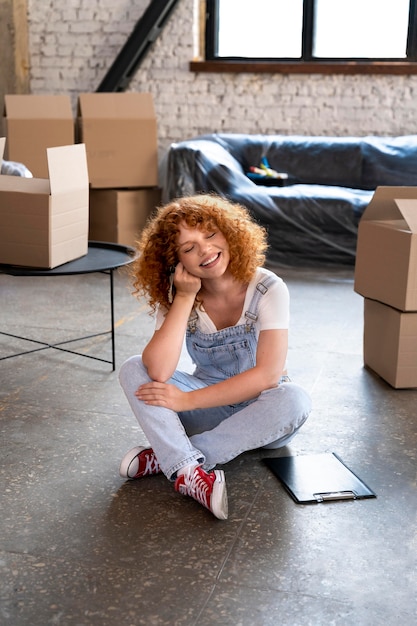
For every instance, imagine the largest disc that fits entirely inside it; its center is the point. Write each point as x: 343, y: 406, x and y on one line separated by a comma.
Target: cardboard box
x: 44, y: 222
x: 119, y: 215
x: 386, y: 254
x: 390, y: 344
x: 33, y: 124
x: 119, y: 131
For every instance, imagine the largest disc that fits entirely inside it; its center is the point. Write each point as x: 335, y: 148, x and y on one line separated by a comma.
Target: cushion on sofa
x: 389, y: 161
x: 307, y: 223
x: 311, y: 160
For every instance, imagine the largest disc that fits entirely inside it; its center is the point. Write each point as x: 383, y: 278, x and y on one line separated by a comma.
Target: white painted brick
x: 89, y: 27
x: 68, y: 16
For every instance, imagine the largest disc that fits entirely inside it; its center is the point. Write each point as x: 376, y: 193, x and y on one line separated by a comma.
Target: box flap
x: 29, y: 106
x: 67, y: 167
x: 408, y: 208
x: 23, y: 185
x: 383, y: 204
x: 116, y: 106
x: 2, y: 146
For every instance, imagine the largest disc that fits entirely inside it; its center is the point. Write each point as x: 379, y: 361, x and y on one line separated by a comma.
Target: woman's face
x: 203, y: 253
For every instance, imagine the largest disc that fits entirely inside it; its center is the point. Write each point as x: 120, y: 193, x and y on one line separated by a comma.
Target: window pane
x: 360, y: 28
x: 263, y: 29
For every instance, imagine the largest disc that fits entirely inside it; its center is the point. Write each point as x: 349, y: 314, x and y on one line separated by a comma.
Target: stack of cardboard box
x: 120, y: 134
x: 114, y: 136
x: 44, y: 219
x: 386, y: 275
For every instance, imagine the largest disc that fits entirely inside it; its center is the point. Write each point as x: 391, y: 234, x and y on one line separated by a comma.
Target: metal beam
x: 146, y: 31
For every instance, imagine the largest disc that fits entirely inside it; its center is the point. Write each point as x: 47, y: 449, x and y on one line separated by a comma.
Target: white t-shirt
x: 273, y: 307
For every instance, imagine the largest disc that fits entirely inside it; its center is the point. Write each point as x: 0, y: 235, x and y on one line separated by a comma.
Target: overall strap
x: 192, y: 321
x: 261, y: 288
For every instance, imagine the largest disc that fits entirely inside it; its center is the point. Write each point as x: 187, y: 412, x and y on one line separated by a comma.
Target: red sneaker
x: 139, y: 462
x: 208, y: 488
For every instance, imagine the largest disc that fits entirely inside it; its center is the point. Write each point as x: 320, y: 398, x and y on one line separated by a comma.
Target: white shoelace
x: 196, y: 487
x: 152, y: 465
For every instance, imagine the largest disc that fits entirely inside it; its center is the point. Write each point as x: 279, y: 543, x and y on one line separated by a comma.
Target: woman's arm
x: 162, y: 353
x: 270, y: 361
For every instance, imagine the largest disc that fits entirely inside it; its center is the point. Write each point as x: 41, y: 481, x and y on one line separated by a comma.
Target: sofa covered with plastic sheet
x: 312, y: 216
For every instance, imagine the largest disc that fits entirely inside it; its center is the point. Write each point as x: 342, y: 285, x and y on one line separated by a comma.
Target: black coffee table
x: 102, y: 257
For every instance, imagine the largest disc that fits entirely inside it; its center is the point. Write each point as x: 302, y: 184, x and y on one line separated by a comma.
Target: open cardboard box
x: 119, y: 215
x: 120, y: 135
x: 386, y: 255
x: 44, y: 222
x: 390, y: 344
x: 33, y: 123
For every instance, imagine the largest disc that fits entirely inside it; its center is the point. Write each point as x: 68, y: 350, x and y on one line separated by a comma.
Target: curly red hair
x: 158, y: 248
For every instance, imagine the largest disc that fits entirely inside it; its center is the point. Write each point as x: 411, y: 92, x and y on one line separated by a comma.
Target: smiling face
x: 203, y: 253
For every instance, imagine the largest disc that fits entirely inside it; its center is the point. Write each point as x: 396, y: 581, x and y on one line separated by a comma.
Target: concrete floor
x: 79, y: 546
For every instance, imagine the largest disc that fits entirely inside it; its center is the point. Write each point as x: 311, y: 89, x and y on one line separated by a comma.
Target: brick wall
x: 74, y: 42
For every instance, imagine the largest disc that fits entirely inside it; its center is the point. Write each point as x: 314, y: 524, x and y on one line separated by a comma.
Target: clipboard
x: 314, y: 478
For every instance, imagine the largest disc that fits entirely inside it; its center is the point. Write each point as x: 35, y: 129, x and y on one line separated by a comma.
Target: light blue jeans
x: 217, y: 435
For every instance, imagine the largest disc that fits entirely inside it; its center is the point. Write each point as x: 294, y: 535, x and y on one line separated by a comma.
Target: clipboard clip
x: 335, y: 495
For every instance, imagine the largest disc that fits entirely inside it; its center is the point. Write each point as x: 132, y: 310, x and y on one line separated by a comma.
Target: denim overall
x: 219, y: 434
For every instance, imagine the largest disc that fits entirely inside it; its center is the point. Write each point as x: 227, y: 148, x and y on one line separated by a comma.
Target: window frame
x: 210, y: 62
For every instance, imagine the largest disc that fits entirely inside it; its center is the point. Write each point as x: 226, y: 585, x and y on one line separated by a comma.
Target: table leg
x: 58, y: 346
x: 113, y: 348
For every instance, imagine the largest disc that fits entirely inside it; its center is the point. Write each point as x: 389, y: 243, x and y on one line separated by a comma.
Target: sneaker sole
x: 127, y: 462
x: 219, y: 505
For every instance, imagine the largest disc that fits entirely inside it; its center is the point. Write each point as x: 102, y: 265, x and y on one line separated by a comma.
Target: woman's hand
x: 185, y: 283
x: 163, y: 394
